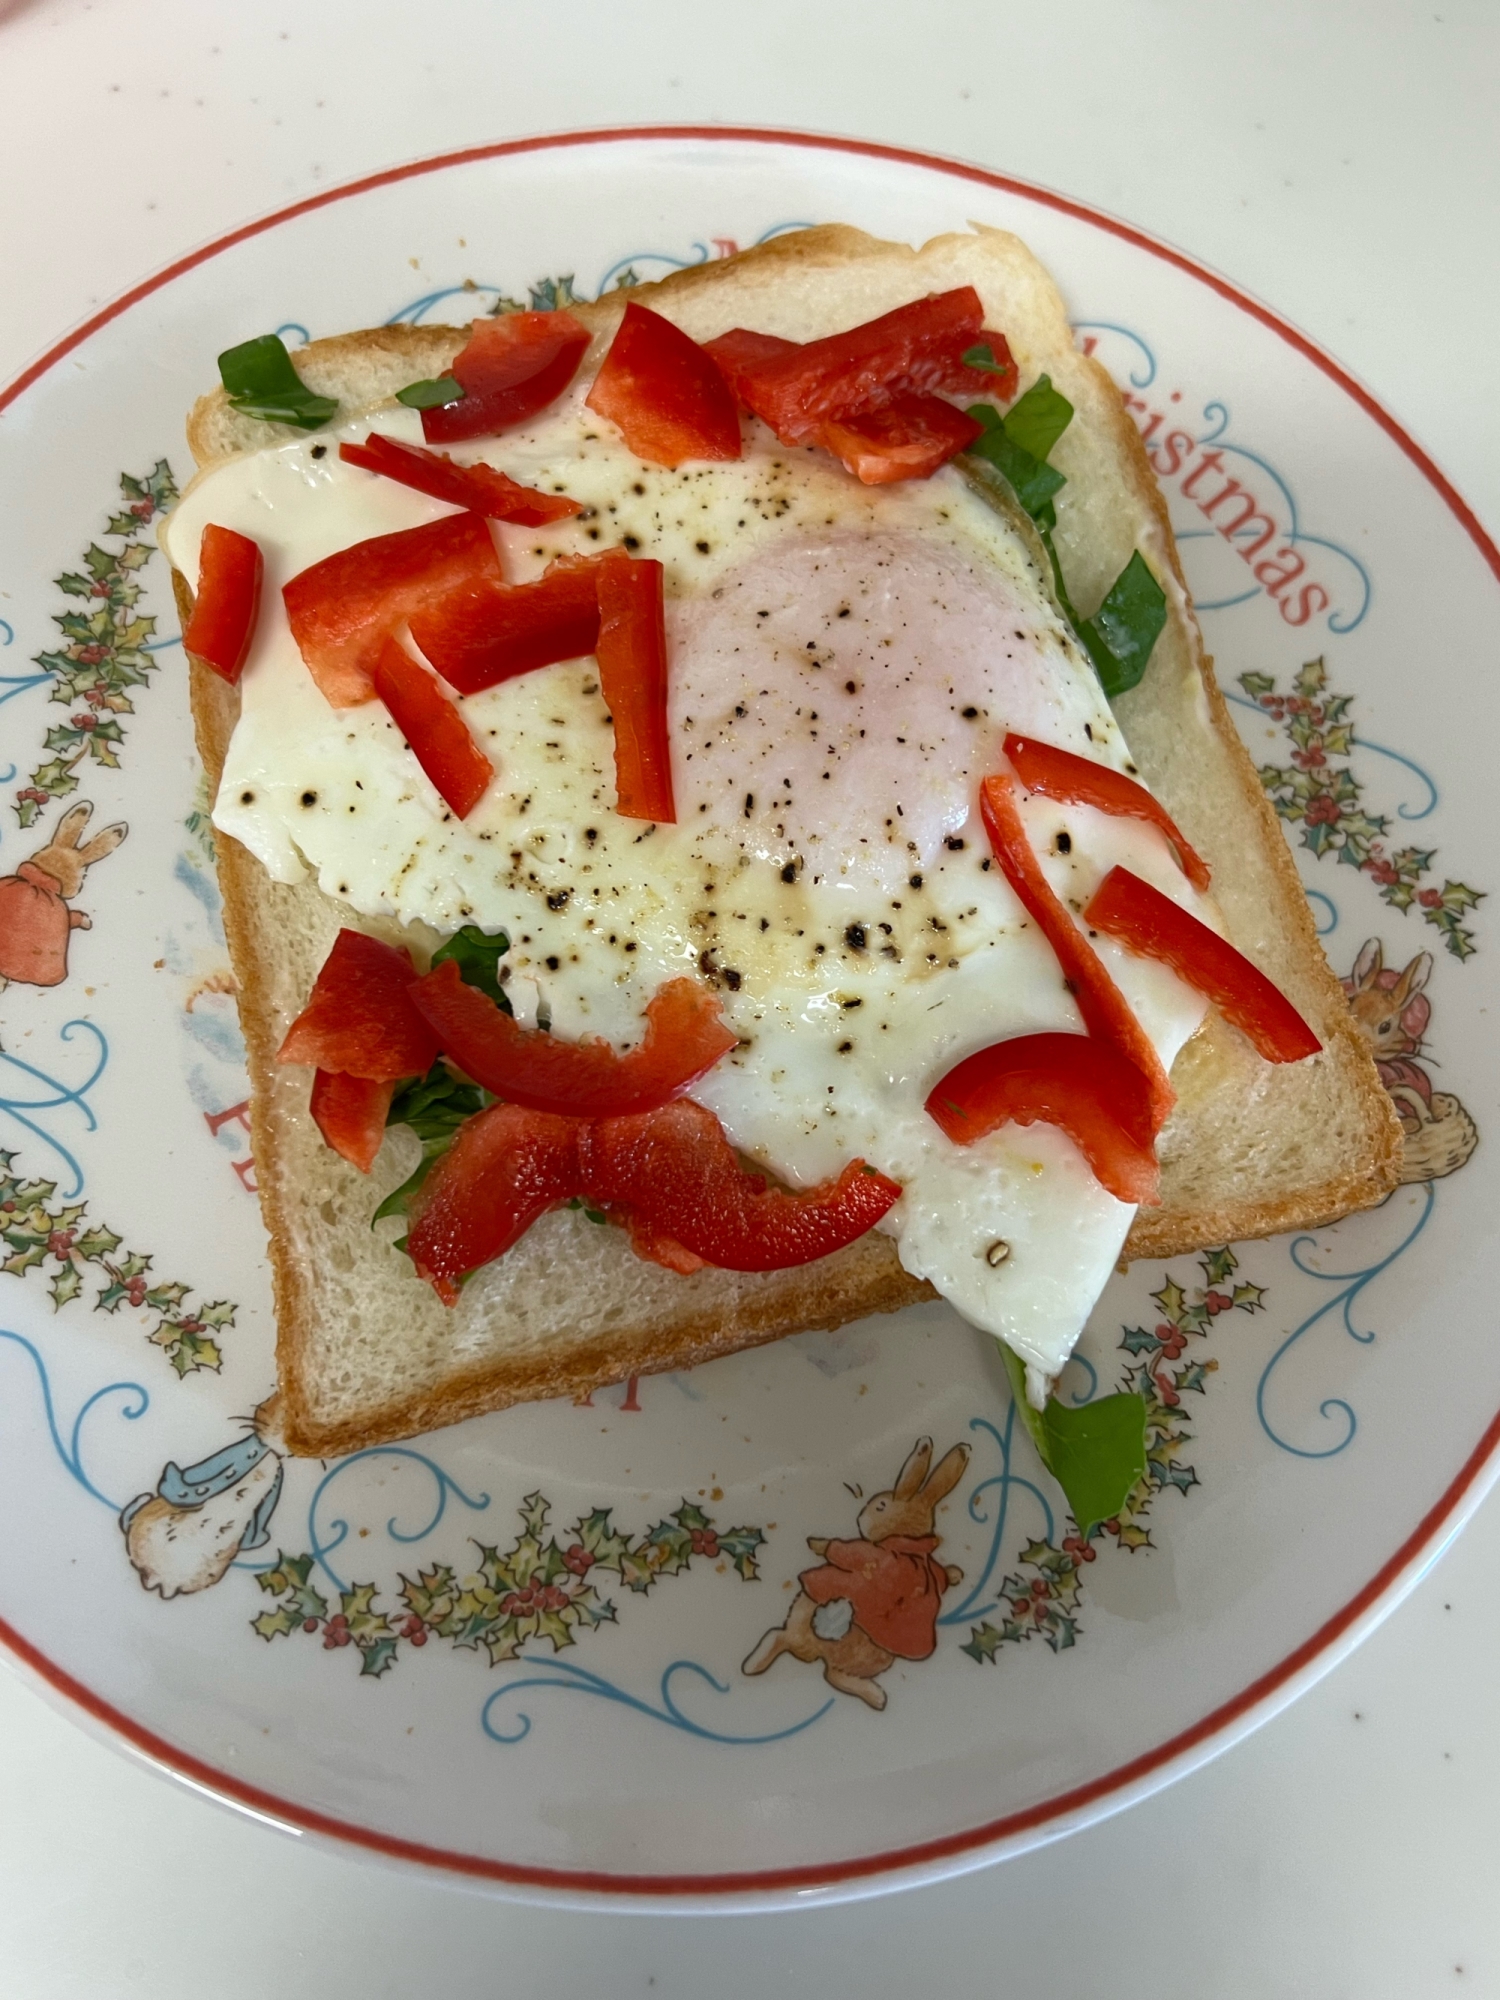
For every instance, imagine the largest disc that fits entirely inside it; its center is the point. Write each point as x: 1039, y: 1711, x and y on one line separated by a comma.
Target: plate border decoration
x: 1150, y: 1769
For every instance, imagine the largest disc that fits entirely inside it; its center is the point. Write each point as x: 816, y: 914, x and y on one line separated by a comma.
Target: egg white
x: 844, y: 664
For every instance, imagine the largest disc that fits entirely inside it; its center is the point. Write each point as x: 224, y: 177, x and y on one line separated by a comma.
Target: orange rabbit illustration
x: 35, y: 921
x: 873, y: 1601
x: 1392, y: 1011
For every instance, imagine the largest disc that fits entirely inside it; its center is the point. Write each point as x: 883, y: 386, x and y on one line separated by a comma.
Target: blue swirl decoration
x: 69, y: 1449
x: 1334, y: 1409
x: 1427, y: 800
x: 1144, y: 372
x: 56, y: 1096
x: 565, y: 1677
x: 445, y: 1487
x: 1001, y: 1484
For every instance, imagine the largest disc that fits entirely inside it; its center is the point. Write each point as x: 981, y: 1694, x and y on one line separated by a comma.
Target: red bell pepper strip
x: 480, y: 488
x: 227, y: 603
x: 1105, y: 1010
x: 1152, y: 925
x: 343, y: 608
x: 668, y: 397
x: 632, y: 656
x: 677, y: 1170
x: 510, y: 368
x: 350, y: 1112
x: 907, y: 439
x: 1092, y: 1093
x: 438, y: 735
x: 673, y: 1170
x: 916, y: 350
x: 655, y: 1246
x: 506, y: 1166
x: 739, y: 349
x: 1060, y: 774
x: 359, y: 1018
x: 480, y: 637
x: 684, y: 1038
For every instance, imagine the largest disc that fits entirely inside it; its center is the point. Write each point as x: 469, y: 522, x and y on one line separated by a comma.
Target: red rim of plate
x: 1126, y: 1778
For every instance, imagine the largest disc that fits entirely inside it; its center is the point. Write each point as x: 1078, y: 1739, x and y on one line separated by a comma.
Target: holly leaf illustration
x: 377, y: 1658
x: 740, y: 1545
x: 66, y: 1285
x: 1171, y: 1298
x: 1061, y: 1632
x: 97, y: 1242
x: 1132, y: 1537
x: 276, y: 1624
x: 983, y: 1643
x: 1248, y: 1297
x: 1310, y: 679
x: 1218, y: 1265
x: 604, y: 1543
x: 1256, y: 685
x: 290, y: 1579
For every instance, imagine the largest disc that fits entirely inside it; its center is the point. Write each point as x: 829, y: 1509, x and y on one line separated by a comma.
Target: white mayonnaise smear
x: 845, y: 662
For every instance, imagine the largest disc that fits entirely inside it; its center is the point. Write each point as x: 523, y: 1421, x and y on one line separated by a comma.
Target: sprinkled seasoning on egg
x: 844, y: 662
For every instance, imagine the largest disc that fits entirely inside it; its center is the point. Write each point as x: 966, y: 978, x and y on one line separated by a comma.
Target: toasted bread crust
x: 1211, y: 1193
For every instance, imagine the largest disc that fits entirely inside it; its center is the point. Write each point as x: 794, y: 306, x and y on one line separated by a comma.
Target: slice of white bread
x: 366, y: 1353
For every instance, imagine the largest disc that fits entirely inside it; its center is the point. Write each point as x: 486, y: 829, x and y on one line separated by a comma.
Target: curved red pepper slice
x: 481, y: 488
x: 359, y: 1018
x: 916, y: 350
x: 478, y: 637
x: 907, y: 439
x: 684, y: 1038
x: 666, y: 394
x: 435, y: 731
x: 632, y: 655
x: 676, y: 1169
x: 1060, y: 774
x: 342, y: 609
x: 510, y: 368
x: 1105, y: 1010
x: 740, y: 349
x: 226, y: 603
x: 506, y: 1167
x: 1093, y: 1094
x: 1151, y: 924
x: 350, y: 1112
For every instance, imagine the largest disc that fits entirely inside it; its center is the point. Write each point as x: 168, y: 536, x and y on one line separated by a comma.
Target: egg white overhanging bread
x: 365, y: 1350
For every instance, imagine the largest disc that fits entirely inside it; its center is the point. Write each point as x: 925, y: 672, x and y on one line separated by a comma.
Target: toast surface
x: 365, y: 1353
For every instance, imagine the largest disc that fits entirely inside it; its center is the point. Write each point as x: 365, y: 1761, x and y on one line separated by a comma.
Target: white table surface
x: 1340, y: 160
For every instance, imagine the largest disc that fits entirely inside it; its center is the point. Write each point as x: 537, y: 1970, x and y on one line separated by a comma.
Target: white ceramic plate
x: 514, y: 1650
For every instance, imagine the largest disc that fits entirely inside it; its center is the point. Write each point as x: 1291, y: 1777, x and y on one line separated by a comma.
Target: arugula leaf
x: 1096, y: 1453
x: 982, y: 355
x: 477, y: 956
x: 1032, y: 479
x: 1038, y: 419
x: 260, y: 381
x: 434, y: 1106
x: 1121, y: 633
x: 432, y: 395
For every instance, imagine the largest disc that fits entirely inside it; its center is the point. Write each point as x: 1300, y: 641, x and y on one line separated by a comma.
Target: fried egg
x: 844, y: 664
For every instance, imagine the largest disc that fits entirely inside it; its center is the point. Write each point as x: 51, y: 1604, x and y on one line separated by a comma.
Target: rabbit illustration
x: 1392, y: 1013
x: 183, y: 1537
x: 35, y: 921
x: 873, y: 1601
